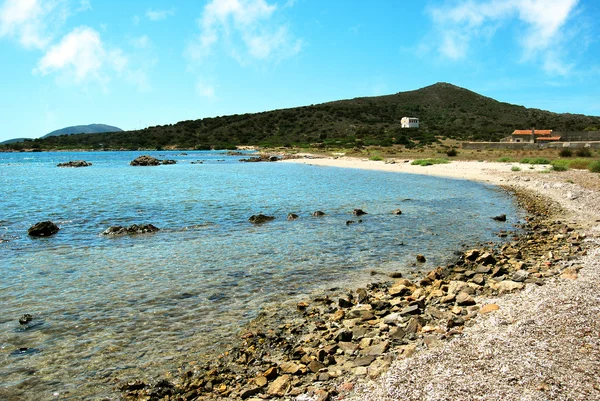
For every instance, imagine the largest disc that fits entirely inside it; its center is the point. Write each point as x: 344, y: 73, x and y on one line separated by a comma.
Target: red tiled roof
x: 540, y: 132
x: 549, y: 138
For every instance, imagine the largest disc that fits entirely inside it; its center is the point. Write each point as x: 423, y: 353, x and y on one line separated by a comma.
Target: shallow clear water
x: 143, y: 305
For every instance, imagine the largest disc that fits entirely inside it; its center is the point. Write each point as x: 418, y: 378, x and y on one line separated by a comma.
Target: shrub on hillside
x: 595, y: 167
x: 583, y: 152
x: 451, y: 152
x: 565, y: 152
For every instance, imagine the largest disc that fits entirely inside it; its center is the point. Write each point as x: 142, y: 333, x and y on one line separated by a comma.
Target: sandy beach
x: 542, y: 343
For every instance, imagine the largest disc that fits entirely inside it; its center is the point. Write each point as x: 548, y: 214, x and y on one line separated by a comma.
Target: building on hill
x: 409, y: 122
x: 534, y: 136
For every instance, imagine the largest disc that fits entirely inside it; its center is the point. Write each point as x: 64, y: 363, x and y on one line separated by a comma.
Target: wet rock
x: 74, y: 163
x: 397, y: 212
x: 358, y: 212
x: 421, y: 258
x: 260, y: 218
x: 131, y: 230
x: 145, y: 160
x: 25, y: 319
x: 168, y: 161
x: 486, y: 259
x: 318, y: 213
x: 501, y: 217
x: 43, y: 229
x: 292, y: 216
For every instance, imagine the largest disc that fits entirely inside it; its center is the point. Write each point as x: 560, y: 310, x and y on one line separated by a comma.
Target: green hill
x: 83, y: 129
x: 444, y: 110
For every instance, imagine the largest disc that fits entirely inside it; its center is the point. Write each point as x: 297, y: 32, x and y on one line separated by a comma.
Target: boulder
x: 133, y: 229
x: 397, y: 212
x: 26, y: 318
x: 43, y: 229
x: 421, y: 258
x: 74, y: 163
x: 280, y: 386
x: 260, y: 218
x: 145, y: 161
x: 318, y: 213
x: 292, y: 216
x: 168, y: 161
x: 358, y: 212
x: 501, y: 217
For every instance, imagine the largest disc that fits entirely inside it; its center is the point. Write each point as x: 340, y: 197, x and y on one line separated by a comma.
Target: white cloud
x: 140, y: 42
x: 25, y: 21
x: 159, y: 15
x: 245, y: 29
x: 81, y: 55
x: 540, y: 27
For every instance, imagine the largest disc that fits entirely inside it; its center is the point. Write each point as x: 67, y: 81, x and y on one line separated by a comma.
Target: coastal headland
x: 509, y: 322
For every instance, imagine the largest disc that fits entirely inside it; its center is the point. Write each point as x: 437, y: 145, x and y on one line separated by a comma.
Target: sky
x: 134, y: 63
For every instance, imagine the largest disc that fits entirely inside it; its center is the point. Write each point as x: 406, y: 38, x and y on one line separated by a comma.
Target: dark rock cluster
x: 150, y: 161
x: 133, y: 229
x: 75, y: 163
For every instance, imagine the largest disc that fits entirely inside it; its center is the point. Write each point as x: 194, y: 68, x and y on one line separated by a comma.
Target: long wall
x: 526, y: 145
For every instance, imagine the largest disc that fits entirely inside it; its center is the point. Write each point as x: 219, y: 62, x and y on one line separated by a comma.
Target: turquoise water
x: 116, y: 308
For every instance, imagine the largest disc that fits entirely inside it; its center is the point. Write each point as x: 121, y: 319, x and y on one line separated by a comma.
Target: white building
x: 409, y: 122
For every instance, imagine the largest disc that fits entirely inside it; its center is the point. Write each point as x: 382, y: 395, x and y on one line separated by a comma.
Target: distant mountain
x: 84, y: 129
x: 444, y: 111
x: 13, y: 141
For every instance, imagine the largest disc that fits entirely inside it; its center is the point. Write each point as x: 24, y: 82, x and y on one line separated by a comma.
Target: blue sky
x: 139, y: 63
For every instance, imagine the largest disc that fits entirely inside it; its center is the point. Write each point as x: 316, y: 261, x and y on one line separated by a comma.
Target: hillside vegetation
x: 445, y: 111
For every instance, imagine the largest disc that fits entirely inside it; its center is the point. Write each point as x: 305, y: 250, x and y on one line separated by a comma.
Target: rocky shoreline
x: 322, y: 346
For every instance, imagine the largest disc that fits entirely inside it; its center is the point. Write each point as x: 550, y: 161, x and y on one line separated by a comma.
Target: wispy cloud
x: 82, y: 55
x: 540, y: 26
x: 26, y: 21
x: 205, y: 89
x: 159, y: 15
x: 245, y: 29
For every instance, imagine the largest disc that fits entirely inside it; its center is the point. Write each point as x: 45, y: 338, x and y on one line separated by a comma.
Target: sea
x: 109, y: 309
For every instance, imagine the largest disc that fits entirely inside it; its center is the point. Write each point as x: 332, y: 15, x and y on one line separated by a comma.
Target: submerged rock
x: 43, y: 229
x: 397, y: 212
x: 292, y: 216
x: 358, y: 212
x: 26, y: 318
x: 145, y: 161
x: 260, y: 218
x: 75, y: 163
x: 133, y: 229
x: 318, y: 213
x: 501, y: 217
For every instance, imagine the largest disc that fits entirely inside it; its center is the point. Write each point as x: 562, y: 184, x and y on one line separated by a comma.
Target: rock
x: 166, y: 162
x: 421, y: 258
x: 261, y: 381
x: 26, y: 318
x: 338, y: 315
x: 509, y: 286
x: 280, y: 386
x: 464, y: 299
x: 397, y: 333
x: 501, y: 217
x: 249, y: 392
x: 315, y: 366
x: 131, y: 230
x: 260, y: 218
x: 488, y: 308
x: 318, y: 213
x: 399, y: 290
x: 344, y: 335
x: 145, y: 161
x: 486, y: 259
x: 472, y: 255
x: 292, y: 216
x: 344, y: 303
x: 397, y: 212
x: 43, y: 229
x: 359, y: 212
x: 519, y: 276
x: 364, y: 360
x: 290, y: 368
x: 395, y: 275
x: 376, y: 350
x: 410, y: 310
x: 271, y: 373
x: 74, y: 163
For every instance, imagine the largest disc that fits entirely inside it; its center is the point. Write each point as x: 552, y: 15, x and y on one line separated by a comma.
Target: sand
x: 543, y: 343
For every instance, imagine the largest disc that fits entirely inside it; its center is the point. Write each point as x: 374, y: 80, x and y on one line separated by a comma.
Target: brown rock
x: 261, y: 381
x: 271, y: 373
x: 315, y: 366
x: 489, y: 308
x: 464, y: 299
x: 290, y: 368
x: 421, y: 258
x: 280, y: 386
x: 376, y: 349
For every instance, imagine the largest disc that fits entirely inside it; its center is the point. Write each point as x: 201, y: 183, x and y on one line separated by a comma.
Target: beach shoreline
x: 341, y: 347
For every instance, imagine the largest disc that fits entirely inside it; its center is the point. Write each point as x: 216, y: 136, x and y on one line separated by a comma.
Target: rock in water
x: 75, y: 163
x: 318, y: 213
x: 292, y: 216
x: 397, y: 212
x: 145, y: 161
x: 421, y: 258
x: 501, y: 217
x: 133, y: 229
x: 260, y: 218
x: 359, y: 212
x: 43, y: 229
x: 26, y: 318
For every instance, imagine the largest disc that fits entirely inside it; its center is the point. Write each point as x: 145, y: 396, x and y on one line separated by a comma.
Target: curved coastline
x: 557, y: 208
